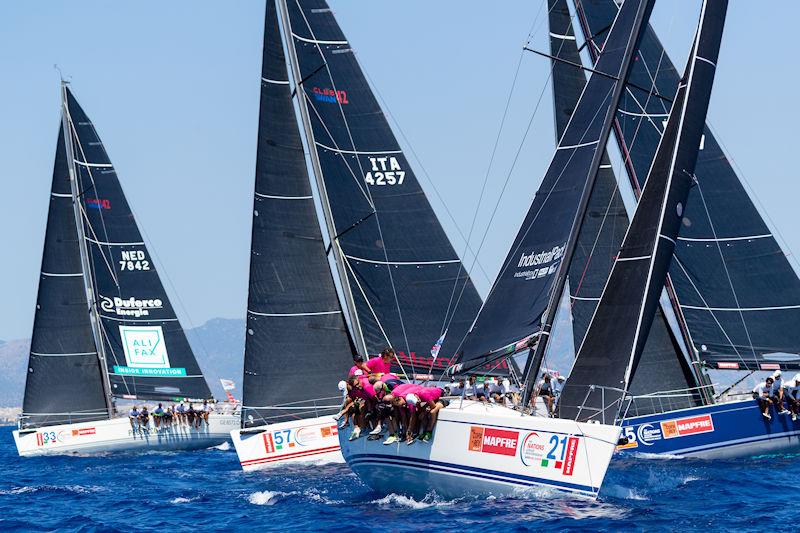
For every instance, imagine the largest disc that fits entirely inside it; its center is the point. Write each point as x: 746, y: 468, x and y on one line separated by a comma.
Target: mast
x: 84, y: 252
x: 535, y: 359
x: 341, y: 268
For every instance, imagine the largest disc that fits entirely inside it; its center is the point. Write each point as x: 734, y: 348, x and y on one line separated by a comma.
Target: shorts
x: 392, y: 383
x: 444, y: 403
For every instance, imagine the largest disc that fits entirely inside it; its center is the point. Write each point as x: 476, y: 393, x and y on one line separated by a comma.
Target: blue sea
x: 207, y: 491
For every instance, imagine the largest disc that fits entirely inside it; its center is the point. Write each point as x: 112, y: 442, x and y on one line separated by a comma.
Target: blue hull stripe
x: 481, y: 473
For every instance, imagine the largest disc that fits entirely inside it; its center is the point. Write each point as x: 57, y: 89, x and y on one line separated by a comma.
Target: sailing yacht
x: 104, y: 328
x: 718, y: 318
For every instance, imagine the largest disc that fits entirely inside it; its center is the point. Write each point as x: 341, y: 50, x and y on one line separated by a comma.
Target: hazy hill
x: 218, y: 345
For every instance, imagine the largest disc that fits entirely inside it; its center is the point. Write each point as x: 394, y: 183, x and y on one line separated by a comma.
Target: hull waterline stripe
x: 464, y: 470
x: 295, y: 455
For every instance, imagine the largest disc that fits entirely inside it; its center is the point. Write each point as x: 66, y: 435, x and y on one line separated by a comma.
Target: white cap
x: 358, y: 372
x: 412, y: 399
x: 342, y: 385
x: 776, y: 374
x: 796, y: 377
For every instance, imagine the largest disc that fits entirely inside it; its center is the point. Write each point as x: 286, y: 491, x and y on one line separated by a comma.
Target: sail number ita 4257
x: 385, y: 171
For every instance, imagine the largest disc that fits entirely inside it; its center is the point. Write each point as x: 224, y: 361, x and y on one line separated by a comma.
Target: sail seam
x: 138, y: 320
x: 358, y: 152
x: 637, y: 258
x: 108, y: 243
x: 277, y: 82
x: 93, y: 165
x: 565, y: 37
x: 315, y: 41
x: 723, y: 239
x: 742, y: 309
x: 54, y: 275
x: 581, y: 145
x: 274, y: 197
x: 317, y: 313
x: 40, y: 354
x: 404, y: 263
x: 61, y: 195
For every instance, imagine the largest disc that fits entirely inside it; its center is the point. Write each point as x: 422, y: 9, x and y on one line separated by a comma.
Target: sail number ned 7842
x: 385, y: 171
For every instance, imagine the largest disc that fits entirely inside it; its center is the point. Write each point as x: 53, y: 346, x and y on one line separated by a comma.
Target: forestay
x: 531, y: 273
x: 64, y: 383
x: 615, y: 340
x: 406, y: 283
x: 147, y: 354
x: 738, y: 293
x: 295, y: 326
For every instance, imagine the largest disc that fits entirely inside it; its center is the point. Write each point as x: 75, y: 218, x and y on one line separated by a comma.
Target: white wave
x: 660, y: 456
x: 689, y: 479
x: 398, y: 500
x: 180, y: 499
x: 623, y: 493
x: 77, y: 489
x: 267, y: 497
x: 321, y: 496
x: 225, y: 446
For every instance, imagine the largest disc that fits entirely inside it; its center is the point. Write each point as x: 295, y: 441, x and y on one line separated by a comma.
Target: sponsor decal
x: 305, y: 436
x: 490, y: 440
x: 329, y: 431
x: 546, y: 450
x: 129, y: 306
x: 385, y: 171
x: 145, y: 353
x: 98, y: 203
x: 644, y: 434
x: 728, y: 366
x: 770, y: 366
x: 133, y: 260
x: 330, y: 96
x: 547, y: 261
x: 269, y: 444
x: 83, y: 431
x: 682, y: 427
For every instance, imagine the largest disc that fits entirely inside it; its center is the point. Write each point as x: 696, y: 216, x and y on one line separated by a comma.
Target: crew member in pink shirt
x: 379, y: 365
x: 431, y: 403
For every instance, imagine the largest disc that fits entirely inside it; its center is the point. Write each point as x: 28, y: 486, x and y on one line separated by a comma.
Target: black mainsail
x: 738, y: 293
x: 663, y: 364
x: 295, y: 325
x: 615, y: 340
x: 64, y: 382
x: 523, y: 300
x: 142, y: 343
x: 405, y: 286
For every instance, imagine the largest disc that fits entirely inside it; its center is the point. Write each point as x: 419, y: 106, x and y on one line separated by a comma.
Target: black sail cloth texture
x: 524, y: 289
x: 64, y: 381
x: 619, y: 329
x: 297, y: 345
x: 738, y: 292
x: 663, y: 364
x: 148, y: 356
x: 403, y: 273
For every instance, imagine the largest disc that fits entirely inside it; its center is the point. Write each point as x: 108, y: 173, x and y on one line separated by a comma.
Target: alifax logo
x: 129, y: 306
x: 541, y: 258
x: 329, y: 96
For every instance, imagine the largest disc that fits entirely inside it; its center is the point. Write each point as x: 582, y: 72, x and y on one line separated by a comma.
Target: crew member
x: 133, y: 416
x: 761, y: 393
x: 546, y: 391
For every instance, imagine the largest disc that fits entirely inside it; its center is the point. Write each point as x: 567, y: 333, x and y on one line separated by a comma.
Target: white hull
x: 487, y: 450
x: 117, y: 435
x: 299, y: 441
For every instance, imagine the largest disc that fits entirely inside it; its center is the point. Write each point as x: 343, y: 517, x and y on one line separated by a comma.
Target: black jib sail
x: 738, y: 316
x: 145, y: 348
x: 64, y: 382
x: 615, y: 340
x: 604, y: 224
x: 295, y: 325
x: 401, y: 274
x: 531, y: 279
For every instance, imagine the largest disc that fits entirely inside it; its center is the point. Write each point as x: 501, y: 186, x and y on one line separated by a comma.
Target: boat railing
x: 292, y: 410
x: 603, y: 411
x: 24, y: 421
x: 662, y: 401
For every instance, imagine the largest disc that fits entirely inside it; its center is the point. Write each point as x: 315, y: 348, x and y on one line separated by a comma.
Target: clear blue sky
x: 173, y: 89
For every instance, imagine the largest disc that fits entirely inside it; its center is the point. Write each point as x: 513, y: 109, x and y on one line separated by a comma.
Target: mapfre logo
x: 129, y: 306
x: 490, y: 440
x: 682, y: 427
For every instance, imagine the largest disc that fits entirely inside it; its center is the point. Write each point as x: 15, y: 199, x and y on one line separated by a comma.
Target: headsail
x: 297, y: 340
x: 523, y: 299
x: 615, y: 341
x: 64, y: 382
x: 147, y: 354
x: 738, y: 316
x: 406, y: 283
x: 605, y: 221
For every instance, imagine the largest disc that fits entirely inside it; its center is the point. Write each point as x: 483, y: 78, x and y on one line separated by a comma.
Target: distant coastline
x: 8, y: 415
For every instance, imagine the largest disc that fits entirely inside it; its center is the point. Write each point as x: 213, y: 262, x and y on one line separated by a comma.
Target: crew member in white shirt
x: 761, y: 394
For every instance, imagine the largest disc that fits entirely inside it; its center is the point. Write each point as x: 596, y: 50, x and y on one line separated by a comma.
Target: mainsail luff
x: 294, y: 318
x: 737, y: 316
x: 615, y: 340
x: 64, y: 382
x: 146, y: 351
x: 400, y: 266
x: 602, y: 230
